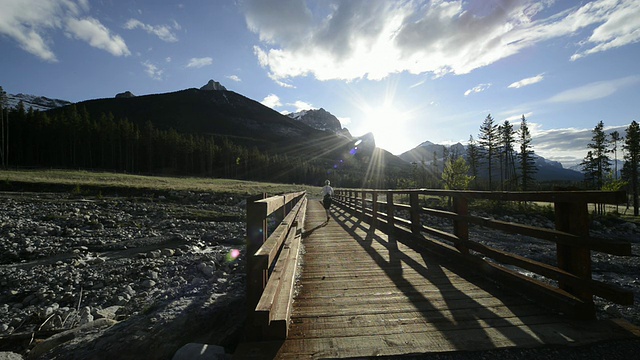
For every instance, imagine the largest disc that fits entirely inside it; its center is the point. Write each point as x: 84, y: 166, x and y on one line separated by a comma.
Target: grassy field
x: 103, y: 182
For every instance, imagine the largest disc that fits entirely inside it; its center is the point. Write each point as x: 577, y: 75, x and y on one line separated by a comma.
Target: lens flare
x: 233, y: 255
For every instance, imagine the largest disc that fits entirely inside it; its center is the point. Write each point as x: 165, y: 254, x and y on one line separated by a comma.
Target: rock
x: 206, y: 269
x: 48, y: 344
x: 168, y: 252
x: 612, y: 310
x: 213, y: 85
x: 193, y: 351
x: 628, y: 226
x: 153, y: 275
x: 109, y: 312
x: 126, y: 94
x: 85, y: 315
x: 7, y: 355
x: 148, y: 283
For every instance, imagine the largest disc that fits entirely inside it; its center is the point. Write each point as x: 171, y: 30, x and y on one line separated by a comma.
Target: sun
x: 387, y: 124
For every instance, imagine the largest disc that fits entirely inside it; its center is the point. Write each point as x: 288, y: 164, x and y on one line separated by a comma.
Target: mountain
x: 35, y: 102
x: 548, y: 170
x: 213, y: 110
x: 217, y: 112
x: 620, y: 165
x: 213, y: 86
x: 322, y: 120
x: 425, y: 152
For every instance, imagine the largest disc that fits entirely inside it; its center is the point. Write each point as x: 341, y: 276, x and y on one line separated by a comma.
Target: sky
x: 407, y: 71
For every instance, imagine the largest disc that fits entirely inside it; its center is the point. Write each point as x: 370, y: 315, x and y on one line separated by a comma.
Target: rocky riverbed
x: 136, y: 276
x: 87, y: 277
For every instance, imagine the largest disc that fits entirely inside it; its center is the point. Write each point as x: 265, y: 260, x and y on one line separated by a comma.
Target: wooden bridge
x: 379, y: 279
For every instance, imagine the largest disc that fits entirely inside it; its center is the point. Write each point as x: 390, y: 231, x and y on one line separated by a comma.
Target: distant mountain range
x: 39, y: 103
x: 547, y: 170
x: 213, y: 109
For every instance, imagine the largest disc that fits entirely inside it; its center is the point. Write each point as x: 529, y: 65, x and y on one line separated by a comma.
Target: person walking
x: 327, y: 193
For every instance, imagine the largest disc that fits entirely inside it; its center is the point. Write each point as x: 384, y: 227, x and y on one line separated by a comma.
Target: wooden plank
x: 614, y: 247
x: 386, y: 325
x: 397, y: 307
x: 415, y: 316
x: 488, y: 338
x: 273, y: 243
x: 273, y: 203
x: 606, y: 291
x: 281, y: 311
x: 274, y: 285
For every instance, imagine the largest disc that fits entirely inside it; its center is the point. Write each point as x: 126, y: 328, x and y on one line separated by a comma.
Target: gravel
x: 142, y: 263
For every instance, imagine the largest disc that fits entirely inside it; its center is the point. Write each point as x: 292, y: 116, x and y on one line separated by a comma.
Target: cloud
x: 477, y: 89
x: 569, y: 145
x: 271, y: 101
x: 518, y: 118
x: 594, y: 90
x: 163, y: 32
x: 301, y: 105
x: 344, y: 121
x: 152, y: 70
x: 235, y: 78
x: 32, y: 24
x: 199, y: 62
x: 97, y: 35
x: 372, y: 39
x: 526, y: 82
x: 620, y: 26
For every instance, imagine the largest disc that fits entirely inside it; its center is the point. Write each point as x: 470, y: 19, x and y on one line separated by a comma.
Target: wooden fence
x: 572, y: 287
x: 274, y: 227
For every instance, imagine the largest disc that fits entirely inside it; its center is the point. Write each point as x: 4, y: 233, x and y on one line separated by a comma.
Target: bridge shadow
x: 460, y: 326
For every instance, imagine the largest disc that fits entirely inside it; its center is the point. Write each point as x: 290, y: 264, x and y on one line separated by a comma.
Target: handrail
x: 272, y: 258
x: 575, y: 286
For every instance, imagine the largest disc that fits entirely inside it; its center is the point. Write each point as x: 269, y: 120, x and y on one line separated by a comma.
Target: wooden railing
x: 274, y: 227
x: 572, y: 287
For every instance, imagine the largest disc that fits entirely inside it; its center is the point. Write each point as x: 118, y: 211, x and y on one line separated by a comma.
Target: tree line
x: 75, y: 139
x: 597, y: 164
x: 502, y: 159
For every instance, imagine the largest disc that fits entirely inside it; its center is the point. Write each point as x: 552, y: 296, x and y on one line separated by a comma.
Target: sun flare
x: 387, y: 125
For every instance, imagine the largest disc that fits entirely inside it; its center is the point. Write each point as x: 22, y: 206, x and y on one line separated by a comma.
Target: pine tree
x: 507, y: 165
x: 589, y: 169
x: 599, y: 163
x: 488, y: 139
x: 3, y: 99
x: 455, y: 174
x: 615, y: 137
x: 527, y: 164
x: 631, y: 168
x: 473, y: 156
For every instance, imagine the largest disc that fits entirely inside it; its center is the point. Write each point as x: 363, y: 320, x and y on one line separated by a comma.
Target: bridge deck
x: 362, y: 293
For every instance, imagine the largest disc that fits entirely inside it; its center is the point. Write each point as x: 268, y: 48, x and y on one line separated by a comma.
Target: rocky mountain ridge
x: 548, y: 170
x: 39, y: 103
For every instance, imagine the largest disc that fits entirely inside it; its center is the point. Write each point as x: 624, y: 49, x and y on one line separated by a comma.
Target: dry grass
x: 86, y: 179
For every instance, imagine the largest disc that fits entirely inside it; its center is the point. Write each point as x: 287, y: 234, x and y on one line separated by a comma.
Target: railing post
x: 416, y: 226
x: 390, y: 211
x: 374, y: 207
x: 461, y: 227
x: 573, y: 218
x: 281, y: 213
x: 364, y: 205
x: 257, y: 275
